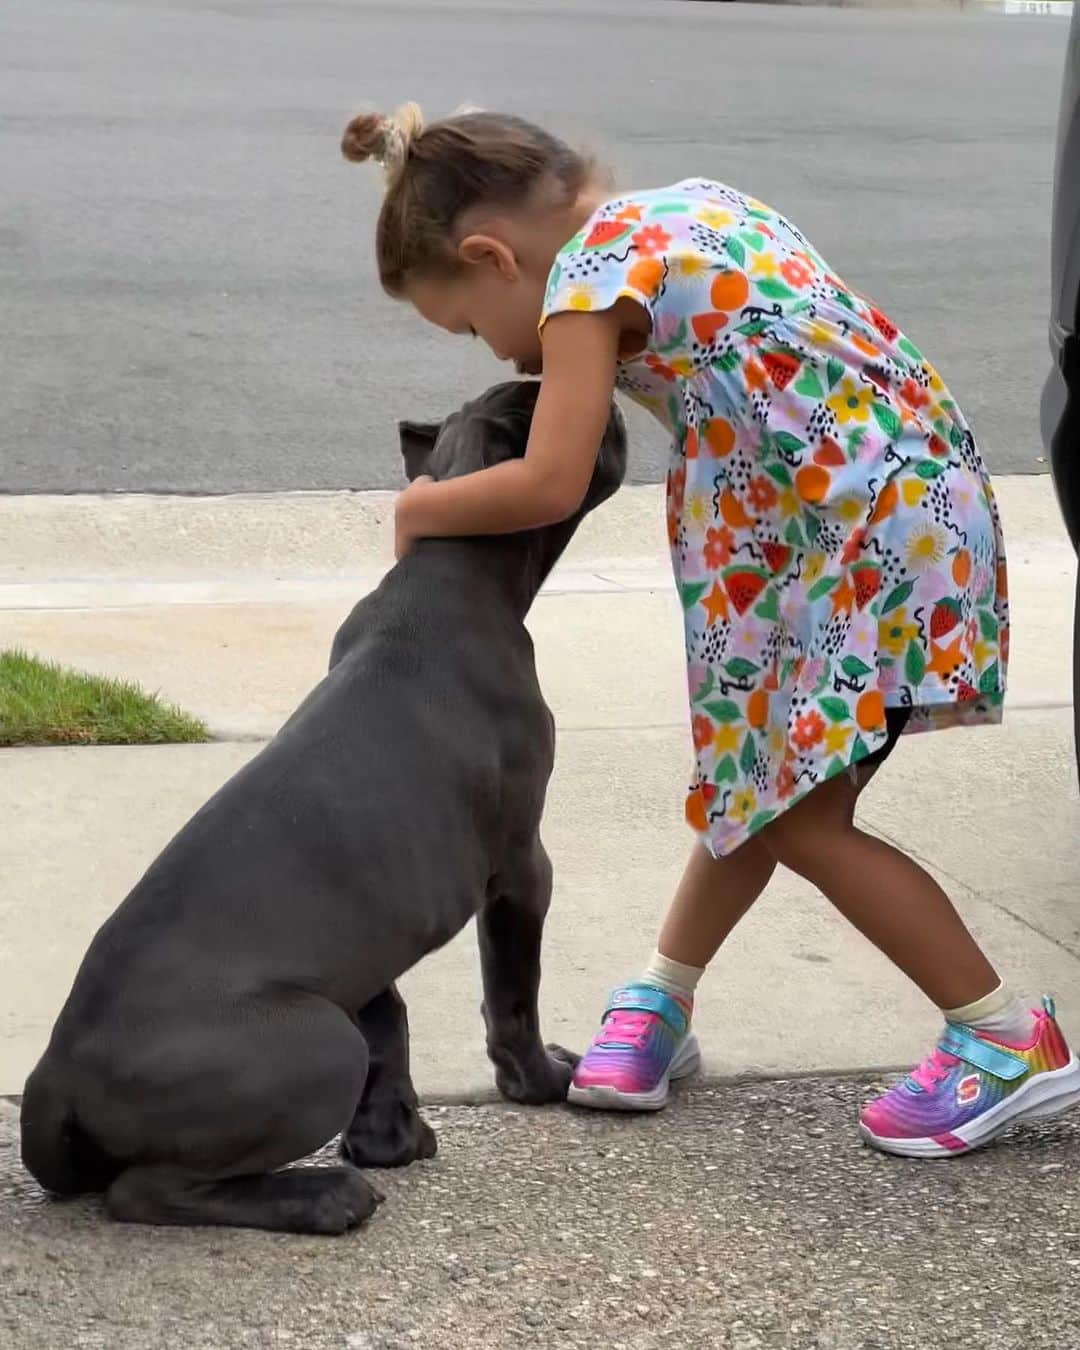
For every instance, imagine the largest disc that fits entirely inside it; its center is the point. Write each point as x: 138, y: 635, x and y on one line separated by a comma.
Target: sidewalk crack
x: 1067, y: 947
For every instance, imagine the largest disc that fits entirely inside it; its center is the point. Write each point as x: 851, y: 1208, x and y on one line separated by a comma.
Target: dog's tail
x: 56, y: 1150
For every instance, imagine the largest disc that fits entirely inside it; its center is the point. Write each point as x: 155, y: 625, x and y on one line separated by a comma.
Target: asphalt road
x: 185, y: 262
x: 745, y: 1217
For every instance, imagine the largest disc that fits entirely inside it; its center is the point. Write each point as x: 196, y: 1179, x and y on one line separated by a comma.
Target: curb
x: 1011, y: 8
x: 489, y: 1096
x: 142, y: 539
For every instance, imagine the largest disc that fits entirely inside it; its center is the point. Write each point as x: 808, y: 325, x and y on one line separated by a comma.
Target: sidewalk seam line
x: 975, y: 894
x: 611, y: 588
x: 488, y: 1095
x: 222, y: 734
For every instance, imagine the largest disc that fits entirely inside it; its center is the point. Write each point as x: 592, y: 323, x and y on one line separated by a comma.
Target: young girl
x: 835, y: 544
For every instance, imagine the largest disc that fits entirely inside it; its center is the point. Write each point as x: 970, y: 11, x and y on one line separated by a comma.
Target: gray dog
x: 238, y: 1010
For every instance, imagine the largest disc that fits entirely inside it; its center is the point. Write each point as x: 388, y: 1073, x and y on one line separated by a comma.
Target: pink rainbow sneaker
x: 971, y: 1088
x: 644, y: 1042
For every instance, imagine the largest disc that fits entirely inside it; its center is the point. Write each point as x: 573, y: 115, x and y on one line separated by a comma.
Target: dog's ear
x: 417, y: 442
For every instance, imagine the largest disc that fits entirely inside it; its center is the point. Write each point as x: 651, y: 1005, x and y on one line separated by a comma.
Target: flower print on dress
x: 834, y: 536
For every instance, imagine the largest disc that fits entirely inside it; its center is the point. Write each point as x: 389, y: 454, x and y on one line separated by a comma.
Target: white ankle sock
x: 1000, y: 1015
x: 672, y: 976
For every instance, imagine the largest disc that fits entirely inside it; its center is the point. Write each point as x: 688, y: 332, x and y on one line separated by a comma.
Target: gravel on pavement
x: 747, y: 1215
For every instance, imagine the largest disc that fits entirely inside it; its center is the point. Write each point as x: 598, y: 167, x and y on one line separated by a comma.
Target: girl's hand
x: 405, y: 512
x: 549, y: 484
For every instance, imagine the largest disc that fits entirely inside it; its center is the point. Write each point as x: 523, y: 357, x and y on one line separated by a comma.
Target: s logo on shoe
x: 968, y: 1089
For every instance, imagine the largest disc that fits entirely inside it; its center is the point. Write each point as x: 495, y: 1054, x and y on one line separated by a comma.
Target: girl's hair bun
x: 386, y: 140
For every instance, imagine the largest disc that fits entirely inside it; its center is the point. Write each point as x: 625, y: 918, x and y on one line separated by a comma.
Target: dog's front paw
x: 538, y: 1082
x: 388, y: 1134
x: 561, y: 1055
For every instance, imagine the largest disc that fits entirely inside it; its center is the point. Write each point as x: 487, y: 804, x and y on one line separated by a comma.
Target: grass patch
x: 45, y: 704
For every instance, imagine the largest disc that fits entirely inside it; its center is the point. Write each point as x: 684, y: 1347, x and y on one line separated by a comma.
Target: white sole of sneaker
x: 685, y: 1062
x: 1048, y: 1094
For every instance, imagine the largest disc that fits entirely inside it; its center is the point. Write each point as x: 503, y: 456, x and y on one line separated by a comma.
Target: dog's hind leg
x: 323, y: 1200
x: 510, y: 927
x: 263, y: 1092
x: 387, y: 1129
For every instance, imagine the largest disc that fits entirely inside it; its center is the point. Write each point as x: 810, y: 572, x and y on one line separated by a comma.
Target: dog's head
x: 494, y: 428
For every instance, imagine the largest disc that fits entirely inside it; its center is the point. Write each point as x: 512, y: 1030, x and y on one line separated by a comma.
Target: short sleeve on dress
x: 618, y: 255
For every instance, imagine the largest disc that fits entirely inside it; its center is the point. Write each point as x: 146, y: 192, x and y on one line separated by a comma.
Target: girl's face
x: 492, y: 296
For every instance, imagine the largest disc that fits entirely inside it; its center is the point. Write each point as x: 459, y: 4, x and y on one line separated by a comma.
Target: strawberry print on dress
x: 833, y: 530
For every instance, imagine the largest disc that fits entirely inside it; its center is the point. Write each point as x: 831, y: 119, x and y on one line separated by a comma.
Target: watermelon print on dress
x: 833, y: 530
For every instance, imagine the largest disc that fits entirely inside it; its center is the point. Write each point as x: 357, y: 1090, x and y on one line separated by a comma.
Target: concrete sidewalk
x: 228, y: 606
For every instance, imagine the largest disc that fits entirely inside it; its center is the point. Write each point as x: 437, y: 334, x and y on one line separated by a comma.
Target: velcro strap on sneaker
x: 644, y: 998
x: 980, y: 1054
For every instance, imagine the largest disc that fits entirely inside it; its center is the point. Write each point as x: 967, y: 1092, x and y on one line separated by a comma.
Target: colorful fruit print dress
x: 833, y: 530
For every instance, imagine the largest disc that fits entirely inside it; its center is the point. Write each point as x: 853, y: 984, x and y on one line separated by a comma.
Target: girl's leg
x: 998, y: 1062
x: 712, y: 897
x: 645, y: 1040
x: 887, y: 896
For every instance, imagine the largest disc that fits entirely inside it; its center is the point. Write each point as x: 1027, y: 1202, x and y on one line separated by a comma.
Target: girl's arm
x: 549, y: 484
